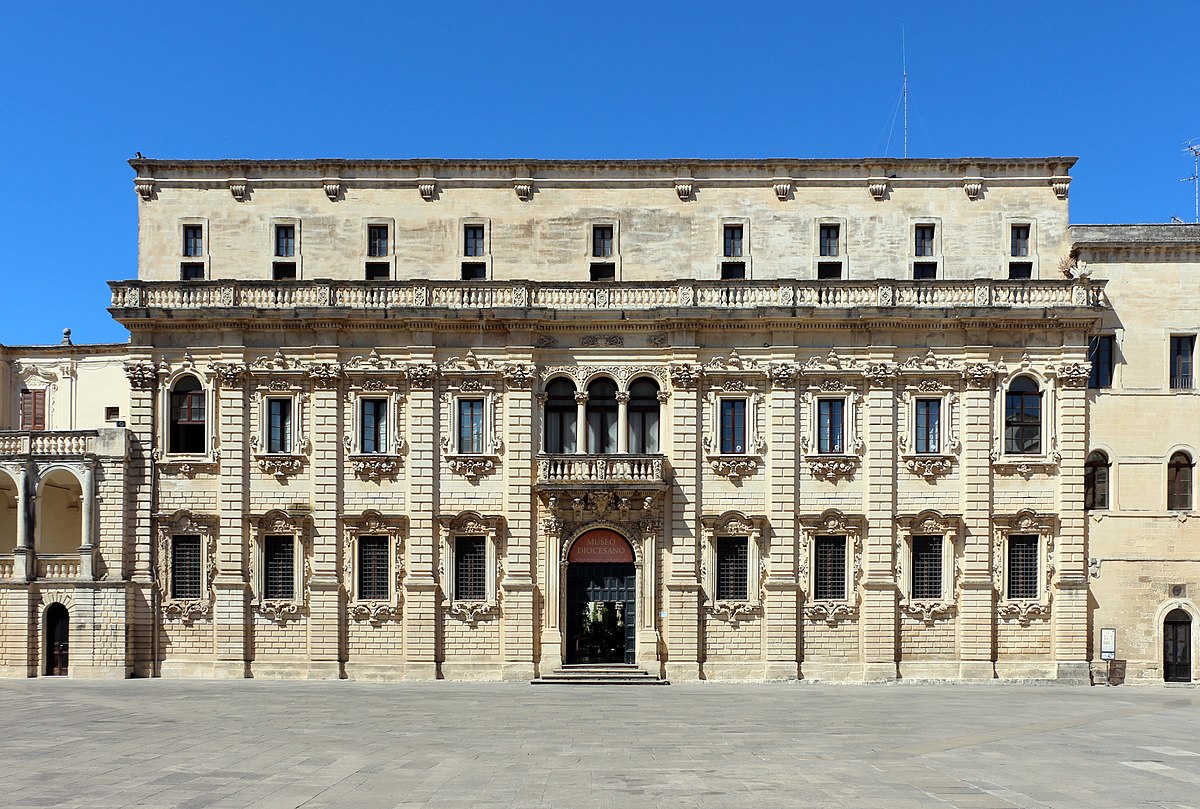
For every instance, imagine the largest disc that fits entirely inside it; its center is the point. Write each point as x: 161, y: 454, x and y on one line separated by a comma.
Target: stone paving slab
x: 201, y: 745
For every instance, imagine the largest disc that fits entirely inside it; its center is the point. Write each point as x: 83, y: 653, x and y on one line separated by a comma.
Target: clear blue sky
x: 85, y: 85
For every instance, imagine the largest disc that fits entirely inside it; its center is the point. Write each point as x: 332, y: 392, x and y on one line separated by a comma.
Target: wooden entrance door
x: 58, y: 636
x: 601, y: 613
x: 1177, y: 647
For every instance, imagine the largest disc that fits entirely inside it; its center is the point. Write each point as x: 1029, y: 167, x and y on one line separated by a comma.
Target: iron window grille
x: 733, y: 426
x: 929, y: 414
x: 279, y: 568
x: 926, y: 582
x: 733, y: 560
x: 470, y: 426
x: 186, y: 567
x: 1022, y: 567
x: 373, y: 580
x: 279, y: 426
x: 1182, y: 347
x: 470, y: 569
x: 831, y: 426
x: 829, y: 569
x: 1100, y: 354
x: 1023, y: 418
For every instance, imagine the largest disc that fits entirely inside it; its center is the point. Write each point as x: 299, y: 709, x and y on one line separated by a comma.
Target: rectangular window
x: 923, y: 240
x: 1023, y: 567
x: 279, y: 567
x: 373, y: 580
x: 191, y: 271
x: 829, y: 569
x: 1020, y: 270
x: 474, y: 271
x: 470, y: 426
x: 470, y: 569
x: 33, y: 409
x: 378, y: 271
x: 926, y: 568
x: 604, y: 272
x: 285, y: 241
x: 112, y: 413
x: 733, y: 241
x: 733, y: 561
x: 186, y: 567
x: 1100, y: 355
x: 733, y: 270
x: 1182, y: 347
x: 1020, y: 241
x: 373, y: 426
x: 929, y: 414
x: 829, y: 270
x: 279, y: 425
x: 924, y: 270
x: 193, y: 241
x: 831, y: 237
x: 283, y: 270
x: 473, y: 240
x: 602, y: 241
x: 733, y: 426
x: 377, y: 241
x: 830, y: 425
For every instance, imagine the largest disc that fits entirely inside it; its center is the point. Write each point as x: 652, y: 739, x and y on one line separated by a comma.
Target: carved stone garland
x: 734, y: 523
x: 930, y: 523
x: 372, y: 523
x: 186, y: 611
x: 279, y: 523
x: 833, y: 522
x: 1026, y: 521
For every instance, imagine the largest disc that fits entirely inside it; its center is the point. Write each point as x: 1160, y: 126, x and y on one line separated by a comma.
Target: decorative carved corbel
x: 427, y: 186
x: 524, y: 188
x: 333, y: 188
x: 878, y: 186
x: 684, y: 188
x: 1061, y: 184
x: 238, y: 187
x: 144, y: 187
x: 782, y: 187
x: 973, y: 186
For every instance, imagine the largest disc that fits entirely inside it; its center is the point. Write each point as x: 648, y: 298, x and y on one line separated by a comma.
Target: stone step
x: 617, y: 674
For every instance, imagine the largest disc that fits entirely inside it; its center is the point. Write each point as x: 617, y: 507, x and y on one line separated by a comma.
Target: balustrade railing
x: 600, y: 469
x: 58, y: 566
x: 620, y: 296
x: 57, y: 443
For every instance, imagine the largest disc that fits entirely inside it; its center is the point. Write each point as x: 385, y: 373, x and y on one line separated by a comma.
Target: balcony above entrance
x: 600, y: 471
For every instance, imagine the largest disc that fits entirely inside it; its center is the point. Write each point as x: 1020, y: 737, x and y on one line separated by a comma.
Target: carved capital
x: 141, y: 375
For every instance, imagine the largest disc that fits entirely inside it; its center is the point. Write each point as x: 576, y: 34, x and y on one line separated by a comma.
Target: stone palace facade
x: 819, y: 419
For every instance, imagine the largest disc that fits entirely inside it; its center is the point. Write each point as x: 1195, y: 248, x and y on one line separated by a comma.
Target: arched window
x: 643, y: 417
x: 186, y: 432
x: 1179, y: 482
x: 560, y: 416
x: 602, y: 417
x: 1095, y: 481
x: 1023, y: 418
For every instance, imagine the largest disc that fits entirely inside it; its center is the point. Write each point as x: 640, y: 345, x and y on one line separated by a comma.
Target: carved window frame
x: 925, y: 524
x: 185, y: 523
x: 1020, y: 463
x: 1025, y: 522
x: 930, y: 465
x: 471, y: 524
x: 735, y: 465
x: 472, y: 465
x: 272, y: 524
x: 832, y: 523
x: 831, y: 466
x: 732, y: 524
x: 279, y: 464
x: 371, y: 523
x: 185, y: 461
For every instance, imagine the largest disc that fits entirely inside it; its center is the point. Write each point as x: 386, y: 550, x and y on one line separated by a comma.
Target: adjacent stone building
x: 743, y: 419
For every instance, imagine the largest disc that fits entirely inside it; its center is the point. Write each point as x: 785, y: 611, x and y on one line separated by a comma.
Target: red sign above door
x: 603, y: 546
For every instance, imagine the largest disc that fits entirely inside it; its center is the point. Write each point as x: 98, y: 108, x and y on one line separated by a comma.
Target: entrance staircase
x: 595, y: 674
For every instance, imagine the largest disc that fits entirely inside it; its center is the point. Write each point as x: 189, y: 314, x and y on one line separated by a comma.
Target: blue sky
x: 88, y: 84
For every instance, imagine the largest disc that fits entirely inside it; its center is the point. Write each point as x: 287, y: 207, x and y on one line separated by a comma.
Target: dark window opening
x: 193, y: 241
x: 829, y: 571
x: 924, y: 270
x: 279, y: 567
x: 378, y: 271
x: 373, y: 581
x: 474, y: 271
x: 602, y: 411
x: 830, y: 240
x: 561, y: 414
x: 186, y: 419
x: 377, y: 241
x: 829, y: 270
x: 1100, y: 354
x: 733, y: 241
x: 929, y: 414
x: 473, y: 240
x: 186, y: 567
x: 733, y: 562
x: 285, y: 241
x: 112, y: 413
x: 926, y: 567
x: 1023, y: 567
x: 1179, y: 482
x: 283, y: 270
x: 1020, y: 270
x: 373, y: 426
x: 1023, y: 417
x: 733, y: 426
x: 643, y: 417
x: 1095, y: 482
x: 1020, y: 241
x: 1182, y: 347
x: 604, y: 272
x: 830, y: 425
x: 279, y: 425
x: 923, y: 240
x: 733, y: 270
x: 470, y: 426
x: 470, y: 569
x: 602, y: 241
x: 191, y: 271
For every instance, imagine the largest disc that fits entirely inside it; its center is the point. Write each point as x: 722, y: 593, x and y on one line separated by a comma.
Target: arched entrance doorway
x: 1177, y: 647
x: 601, y: 599
x: 58, y: 636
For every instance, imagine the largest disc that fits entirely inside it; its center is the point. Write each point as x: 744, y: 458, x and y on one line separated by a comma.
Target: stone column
x: 326, y: 610
x: 1069, y: 610
x: 581, y: 398
x: 623, y: 422
x: 682, y: 624
x: 422, y: 610
x: 520, y: 558
x: 87, y: 506
x: 552, y: 638
x: 24, y: 565
x: 977, y: 608
x: 879, y: 613
x: 782, y: 586
x: 232, y: 619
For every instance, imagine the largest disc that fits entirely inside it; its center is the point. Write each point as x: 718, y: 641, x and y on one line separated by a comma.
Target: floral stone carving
x: 280, y: 466
x: 929, y: 467
x: 376, y: 468
x: 733, y: 468
x: 831, y: 468
x: 471, y: 468
x: 1024, y: 611
x: 831, y: 612
x: 472, y: 612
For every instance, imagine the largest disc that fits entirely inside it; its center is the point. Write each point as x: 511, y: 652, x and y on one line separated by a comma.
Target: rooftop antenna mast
x: 904, y: 68
x: 1192, y: 147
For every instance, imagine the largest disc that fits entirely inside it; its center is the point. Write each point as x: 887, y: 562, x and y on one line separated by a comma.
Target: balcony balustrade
x: 573, y: 470
x: 58, y: 566
x: 50, y: 443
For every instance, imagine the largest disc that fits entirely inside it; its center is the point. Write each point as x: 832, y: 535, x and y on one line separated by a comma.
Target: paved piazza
x: 451, y: 745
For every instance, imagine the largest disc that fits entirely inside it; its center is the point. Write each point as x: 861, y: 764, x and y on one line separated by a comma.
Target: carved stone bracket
x: 1074, y: 374
x: 187, y: 611
x: 929, y: 467
x: 281, y: 611
x: 880, y: 374
x: 421, y: 374
x: 472, y: 612
x: 376, y: 468
x: 332, y: 187
x: 979, y: 374
x: 831, y: 612
x: 186, y: 468
x: 973, y: 186
x: 1024, y: 611
x: 238, y: 188
x: 878, y: 186
x: 426, y: 186
x: 928, y: 612
x: 733, y: 468
x: 471, y: 467
x: 1025, y: 467
x: 518, y: 374
x: 524, y: 188
x: 733, y: 611
x: 783, y: 374
x: 684, y: 187
x: 782, y: 186
x: 376, y: 612
x: 832, y: 468
x: 229, y: 374
x: 1061, y: 185
x: 141, y: 375
x: 684, y: 375
x: 280, y: 466
x: 324, y: 374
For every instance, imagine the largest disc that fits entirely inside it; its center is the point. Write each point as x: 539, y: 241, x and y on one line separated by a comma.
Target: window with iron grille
x: 926, y: 580
x: 473, y: 240
x: 470, y: 569
x: 733, y: 560
x: 377, y: 241
x: 733, y: 241
x: 1179, y: 482
x: 602, y: 241
x: 33, y: 409
x: 923, y: 240
x: 1023, y: 567
x: 470, y: 426
x: 829, y: 569
x: 373, y: 581
x: 929, y: 414
x: 830, y: 425
x: 193, y: 241
x: 1182, y: 347
x: 1023, y: 417
x: 831, y: 240
x: 733, y: 426
x: 186, y: 567
x: 1100, y: 355
x: 279, y: 425
x: 1020, y: 241
x: 285, y: 241
x: 279, y: 567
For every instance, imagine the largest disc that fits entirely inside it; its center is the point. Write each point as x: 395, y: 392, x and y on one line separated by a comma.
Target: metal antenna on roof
x: 1192, y: 147
x: 904, y: 68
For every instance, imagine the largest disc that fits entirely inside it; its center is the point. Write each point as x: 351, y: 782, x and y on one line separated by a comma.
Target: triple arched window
x: 613, y: 420
x: 1023, y: 417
